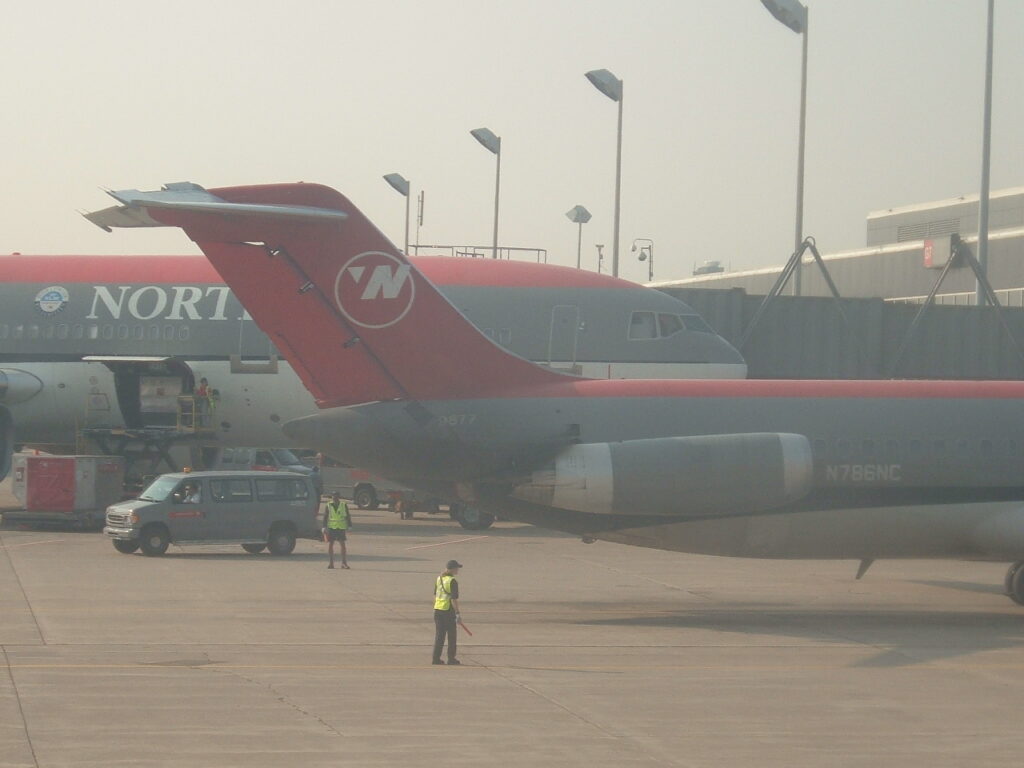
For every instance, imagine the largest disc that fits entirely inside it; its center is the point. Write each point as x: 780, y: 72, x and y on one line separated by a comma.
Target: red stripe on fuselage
x: 773, y: 388
x: 162, y: 270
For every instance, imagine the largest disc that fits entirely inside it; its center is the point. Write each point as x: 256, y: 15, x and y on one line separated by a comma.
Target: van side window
x: 272, y: 490
x: 230, y: 490
x: 227, y: 455
x: 263, y: 459
x: 281, y: 490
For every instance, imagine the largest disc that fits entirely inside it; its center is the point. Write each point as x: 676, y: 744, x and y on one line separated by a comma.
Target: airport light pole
x: 646, y: 254
x: 579, y: 215
x: 492, y: 144
x: 611, y: 86
x: 986, y: 161
x: 401, y: 186
x: 600, y: 256
x: 794, y: 15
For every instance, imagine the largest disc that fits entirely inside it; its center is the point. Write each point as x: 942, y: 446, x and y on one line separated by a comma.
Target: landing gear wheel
x: 126, y: 547
x: 1008, y: 583
x: 254, y: 549
x: 282, y: 541
x: 1015, y: 583
x: 472, y: 519
x: 154, y: 541
x: 366, y: 498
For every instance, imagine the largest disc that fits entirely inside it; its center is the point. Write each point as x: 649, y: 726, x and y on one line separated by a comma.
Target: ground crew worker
x: 337, y: 521
x: 446, y: 611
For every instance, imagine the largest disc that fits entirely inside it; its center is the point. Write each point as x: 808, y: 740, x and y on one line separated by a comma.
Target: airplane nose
x: 18, y: 386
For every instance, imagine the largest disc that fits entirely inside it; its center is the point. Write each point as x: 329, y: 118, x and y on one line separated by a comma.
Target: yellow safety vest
x: 337, y: 517
x: 443, y: 593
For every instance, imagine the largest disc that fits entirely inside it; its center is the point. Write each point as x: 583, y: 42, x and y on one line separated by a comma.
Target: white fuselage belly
x: 984, y: 531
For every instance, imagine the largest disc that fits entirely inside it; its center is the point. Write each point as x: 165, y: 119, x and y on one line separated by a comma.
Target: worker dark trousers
x: 444, y: 624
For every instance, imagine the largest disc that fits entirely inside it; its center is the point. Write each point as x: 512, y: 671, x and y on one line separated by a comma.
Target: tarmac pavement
x: 582, y: 655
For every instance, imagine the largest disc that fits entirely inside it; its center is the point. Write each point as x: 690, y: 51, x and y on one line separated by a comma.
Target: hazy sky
x: 117, y: 95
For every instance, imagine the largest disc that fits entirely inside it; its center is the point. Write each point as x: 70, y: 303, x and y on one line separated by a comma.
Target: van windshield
x: 285, y: 457
x: 159, y: 489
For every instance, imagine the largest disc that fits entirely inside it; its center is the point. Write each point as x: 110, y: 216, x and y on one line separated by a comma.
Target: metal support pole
x: 986, y: 156
x: 798, y: 240
x: 618, y: 189
x: 497, y: 190
x: 579, y: 246
x: 406, y: 225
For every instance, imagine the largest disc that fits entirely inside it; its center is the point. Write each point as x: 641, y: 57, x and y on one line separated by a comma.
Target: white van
x: 255, y: 509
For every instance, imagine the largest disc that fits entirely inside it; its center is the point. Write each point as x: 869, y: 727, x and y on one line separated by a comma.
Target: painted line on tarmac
x: 442, y: 543
x: 30, y: 543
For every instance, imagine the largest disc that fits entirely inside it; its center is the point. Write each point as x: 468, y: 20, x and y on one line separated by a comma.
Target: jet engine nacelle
x: 678, y: 476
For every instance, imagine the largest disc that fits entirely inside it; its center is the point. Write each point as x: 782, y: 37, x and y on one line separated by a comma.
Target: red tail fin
x: 355, y: 319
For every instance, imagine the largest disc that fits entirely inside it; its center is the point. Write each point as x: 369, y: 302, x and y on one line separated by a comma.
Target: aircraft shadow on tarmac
x: 903, y: 637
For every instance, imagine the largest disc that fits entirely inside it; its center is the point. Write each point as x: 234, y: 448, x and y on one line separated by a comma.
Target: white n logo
x: 383, y: 283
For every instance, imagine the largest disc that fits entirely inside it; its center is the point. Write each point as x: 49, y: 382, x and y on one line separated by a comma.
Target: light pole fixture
x: 986, y: 161
x: 794, y: 15
x: 401, y: 186
x: 646, y: 254
x: 611, y: 86
x: 578, y: 215
x: 600, y: 256
x: 493, y: 144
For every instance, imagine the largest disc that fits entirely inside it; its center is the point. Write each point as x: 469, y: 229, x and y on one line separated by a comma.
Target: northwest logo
x: 374, y: 289
x: 51, y: 300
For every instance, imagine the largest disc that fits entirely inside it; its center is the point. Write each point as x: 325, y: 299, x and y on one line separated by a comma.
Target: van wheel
x: 366, y: 497
x: 154, y: 540
x: 126, y: 547
x: 472, y: 519
x: 254, y: 549
x: 282, y: 540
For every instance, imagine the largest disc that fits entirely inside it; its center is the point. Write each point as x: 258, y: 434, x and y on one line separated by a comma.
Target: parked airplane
x: 148, y: 328
x: 775, y: 469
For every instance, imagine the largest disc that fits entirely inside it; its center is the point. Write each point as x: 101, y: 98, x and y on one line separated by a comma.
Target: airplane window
x: 154, y: 333
x: 962, y: 448
x: 108, y: 332
x: 642, y: 326
x: 670, y: 324
x: 62, y: 331
x: 843, y: 448
x: 138, y: 332
x: 695, y: 323
x: 5, y: 331
x: 19, y: 331
x: 93, y: 331
x: 77, y: 332
x: 986, y: 447
x: 168, y: 333
x: 915, y: 447
x: 47, y: 331
x: 33, y: 331
x: 868, y: 447
x: 892, y: 449
x: 940, y: 447
x: 505, y: 336
x: 184, y: 333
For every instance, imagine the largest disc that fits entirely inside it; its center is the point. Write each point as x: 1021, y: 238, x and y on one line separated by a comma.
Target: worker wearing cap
x: 446, y: 611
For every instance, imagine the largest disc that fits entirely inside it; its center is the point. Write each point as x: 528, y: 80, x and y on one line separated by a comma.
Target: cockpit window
x: 695, y: 323
x: 642, y: 325
x: 669, y: 325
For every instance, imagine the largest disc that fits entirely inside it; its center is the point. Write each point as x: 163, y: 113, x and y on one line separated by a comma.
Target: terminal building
x: 906, y: 249
x: 881, y: 327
